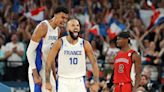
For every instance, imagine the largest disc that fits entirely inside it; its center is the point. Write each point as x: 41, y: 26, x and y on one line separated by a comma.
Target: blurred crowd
x: 16, y: 30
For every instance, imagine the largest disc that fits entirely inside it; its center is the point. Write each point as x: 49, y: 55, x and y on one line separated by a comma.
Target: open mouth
x: 75, y: 34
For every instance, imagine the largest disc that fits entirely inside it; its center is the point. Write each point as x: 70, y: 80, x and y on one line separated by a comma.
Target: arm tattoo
x: 47, y: 75
x: 96, y: 79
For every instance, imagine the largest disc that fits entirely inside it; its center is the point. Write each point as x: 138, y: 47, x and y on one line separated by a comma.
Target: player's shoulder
x: 87, y: 45
x: 59, y: 41
x: 134, y: 52
x: 42, y: 25
x: 86, y: 42
x: 41, y: 29
x: 135, y: 55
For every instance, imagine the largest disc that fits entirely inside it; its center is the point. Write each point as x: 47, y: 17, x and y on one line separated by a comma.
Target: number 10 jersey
x: 71, y: 59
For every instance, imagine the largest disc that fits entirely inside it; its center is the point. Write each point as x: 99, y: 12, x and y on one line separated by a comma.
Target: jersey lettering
x: 67, y: 52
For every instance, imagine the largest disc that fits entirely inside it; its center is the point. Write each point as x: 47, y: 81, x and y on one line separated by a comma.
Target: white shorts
x: 52, y: 80
x: 71, y: 85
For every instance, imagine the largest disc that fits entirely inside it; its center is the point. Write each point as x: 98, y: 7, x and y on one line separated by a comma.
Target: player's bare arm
x: 53, y: 66
x: 51, y: 56
x: 138, y: 68
x: 38, y: 34
x: 92, y: 59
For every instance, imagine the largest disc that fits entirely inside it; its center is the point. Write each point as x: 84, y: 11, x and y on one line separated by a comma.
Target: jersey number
x: 121, y: 68
x: 73, y: 61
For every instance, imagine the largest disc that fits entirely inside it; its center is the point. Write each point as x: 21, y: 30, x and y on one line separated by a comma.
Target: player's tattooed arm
x: 54, y: 70
x: 96, y: 79
x: 92, y: 59
x: 138, y: 68
x: 47, y: 74
x: 51, y: 56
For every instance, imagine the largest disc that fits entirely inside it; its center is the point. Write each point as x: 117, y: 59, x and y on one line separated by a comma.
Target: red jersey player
x: 123, y: 64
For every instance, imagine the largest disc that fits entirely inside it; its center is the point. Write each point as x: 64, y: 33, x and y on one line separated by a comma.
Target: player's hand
x: 48, y: 86
x: 37, y: 80
x: 95, y: 87
x: 134, y: 89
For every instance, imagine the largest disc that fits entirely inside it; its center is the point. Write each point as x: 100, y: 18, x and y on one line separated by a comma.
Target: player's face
x: 73, y: 27
x: 121, y: 41
x: 61, y: 18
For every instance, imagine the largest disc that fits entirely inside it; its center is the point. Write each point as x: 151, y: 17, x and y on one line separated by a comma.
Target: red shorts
x: 124, y: 87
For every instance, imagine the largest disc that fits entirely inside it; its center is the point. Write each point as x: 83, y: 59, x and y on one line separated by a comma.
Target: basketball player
x: 45, y: 34
x: 123, y: 64
x: 71, y: 52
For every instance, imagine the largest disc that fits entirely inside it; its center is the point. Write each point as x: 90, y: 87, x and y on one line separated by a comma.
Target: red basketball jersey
x: 122, y: 67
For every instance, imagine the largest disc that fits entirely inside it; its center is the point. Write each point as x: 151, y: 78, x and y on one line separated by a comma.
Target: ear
x: 67, y: 28
x: 55, y: 15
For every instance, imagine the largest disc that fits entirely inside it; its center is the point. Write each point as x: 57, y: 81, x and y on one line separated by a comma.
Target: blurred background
x: 101, y: 21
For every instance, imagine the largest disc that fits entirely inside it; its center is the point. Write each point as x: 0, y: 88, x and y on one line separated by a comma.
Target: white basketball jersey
x: 41, y: 56
x: 47, y: 42
x: 71, y: 59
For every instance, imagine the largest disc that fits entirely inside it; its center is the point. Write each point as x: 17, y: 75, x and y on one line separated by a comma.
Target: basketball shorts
x: 127, y: 87
x: 39, y: 88
x: 71, y: 84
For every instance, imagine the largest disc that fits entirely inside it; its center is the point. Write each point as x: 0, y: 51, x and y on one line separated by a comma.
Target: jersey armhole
x: 131, y: 56
x: 62, y: 42
x: 83, y: 42
x: 58, y: 52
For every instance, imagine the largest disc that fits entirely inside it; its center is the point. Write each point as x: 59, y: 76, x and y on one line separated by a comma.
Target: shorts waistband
x: 122, y: 83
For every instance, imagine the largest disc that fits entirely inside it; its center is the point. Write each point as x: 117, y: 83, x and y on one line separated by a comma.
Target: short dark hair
x: 61, y: 9
x: 75, y: 19
x: 124, y: 35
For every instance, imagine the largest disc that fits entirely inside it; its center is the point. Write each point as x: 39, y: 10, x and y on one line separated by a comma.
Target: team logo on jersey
x: 129, y: 54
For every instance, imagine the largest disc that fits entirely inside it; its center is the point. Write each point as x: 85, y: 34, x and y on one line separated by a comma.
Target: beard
x: 74, y: 37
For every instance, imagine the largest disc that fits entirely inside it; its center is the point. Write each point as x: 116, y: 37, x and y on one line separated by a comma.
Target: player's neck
x: 53, y: 25
x: 70, y: 40
x: 125, y: 48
